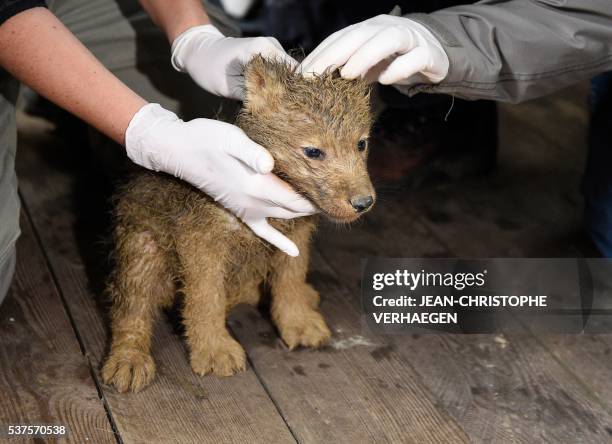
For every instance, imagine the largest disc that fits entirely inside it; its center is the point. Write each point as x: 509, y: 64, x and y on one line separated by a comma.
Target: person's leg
x: 598, y: 176
x: 9, y: 200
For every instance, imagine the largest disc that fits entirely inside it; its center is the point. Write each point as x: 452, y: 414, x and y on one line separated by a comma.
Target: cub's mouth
x: 339, y: 211
x: 336, y: 208
x: 341, y: 219
x: 345, y: 212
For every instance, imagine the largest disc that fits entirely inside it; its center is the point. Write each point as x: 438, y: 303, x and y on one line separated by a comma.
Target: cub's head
x: 317, y: 130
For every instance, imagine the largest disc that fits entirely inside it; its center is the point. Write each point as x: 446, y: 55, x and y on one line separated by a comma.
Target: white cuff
x: 149, y: 116
x: 183, y: 38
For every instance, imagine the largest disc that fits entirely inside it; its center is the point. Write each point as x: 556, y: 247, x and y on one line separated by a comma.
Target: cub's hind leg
x: 142, y: 282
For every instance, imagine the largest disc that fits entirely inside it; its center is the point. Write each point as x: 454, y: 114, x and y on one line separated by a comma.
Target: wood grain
x: 62, y: 194
x: 44, y: 377
x: 499, y: 388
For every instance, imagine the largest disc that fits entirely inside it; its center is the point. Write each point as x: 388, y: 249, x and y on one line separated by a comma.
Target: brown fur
x: 172, y: 237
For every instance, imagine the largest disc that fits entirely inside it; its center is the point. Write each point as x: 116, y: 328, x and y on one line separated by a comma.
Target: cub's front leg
x: 294, y: 302
x: 212, y: 348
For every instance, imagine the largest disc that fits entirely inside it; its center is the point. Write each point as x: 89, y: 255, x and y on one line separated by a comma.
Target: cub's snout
x: 361, y: 203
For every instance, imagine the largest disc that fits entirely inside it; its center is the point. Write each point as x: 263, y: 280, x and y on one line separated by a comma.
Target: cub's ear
x: 265, y: 82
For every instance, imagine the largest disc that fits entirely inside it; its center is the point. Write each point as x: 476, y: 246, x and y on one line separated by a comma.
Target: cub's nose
x: 362, y: 203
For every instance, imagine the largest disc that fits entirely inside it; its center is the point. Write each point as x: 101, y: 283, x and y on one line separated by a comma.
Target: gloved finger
x: 239, y: 146
x: 276, y: 43
x: 276, y: 192
x: 405, y: 66
x: 270, y: 48
x: 305, y: 65
x: 283, y: 213
x: 340, y: 50
x: 282, y: 54
x: 263, y: 229
x: 388, y: 42
x: 289, y: 60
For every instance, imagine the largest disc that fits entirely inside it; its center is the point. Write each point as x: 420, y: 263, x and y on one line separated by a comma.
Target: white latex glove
x: 410, y: 51
x: 219, y: 159
x: 215, y: 62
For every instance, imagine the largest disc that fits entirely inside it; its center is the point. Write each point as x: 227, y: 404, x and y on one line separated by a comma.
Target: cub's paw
x: 129, y: 370
x: 222, y: 357
x: 309, y: 330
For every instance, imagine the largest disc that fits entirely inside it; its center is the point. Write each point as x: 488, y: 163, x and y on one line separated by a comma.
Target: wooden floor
x: 429, y: 388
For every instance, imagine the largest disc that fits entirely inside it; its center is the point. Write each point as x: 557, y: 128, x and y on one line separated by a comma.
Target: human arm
x: 37, y: 49
x: 500, y: 50
x: 213, y: 61
x: 519, y: 49
x: 177, y: 16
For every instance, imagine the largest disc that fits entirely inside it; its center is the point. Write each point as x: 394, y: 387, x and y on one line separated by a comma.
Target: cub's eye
x: 362, y: 144
x: 314, y: 153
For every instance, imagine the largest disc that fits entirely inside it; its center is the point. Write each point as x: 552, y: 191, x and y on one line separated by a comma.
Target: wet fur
x: 170, y: 237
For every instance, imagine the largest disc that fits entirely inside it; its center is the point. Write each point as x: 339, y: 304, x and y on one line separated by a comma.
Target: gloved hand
x: 409, y: 52
x: 215, y: 62
x: 219, y: 159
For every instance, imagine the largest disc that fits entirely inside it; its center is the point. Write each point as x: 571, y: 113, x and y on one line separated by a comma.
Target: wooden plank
x: 590, y: 357
x: 499, y: 388
x: 531, y: 206
x: 44, y: 378
x: 179, y: 406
